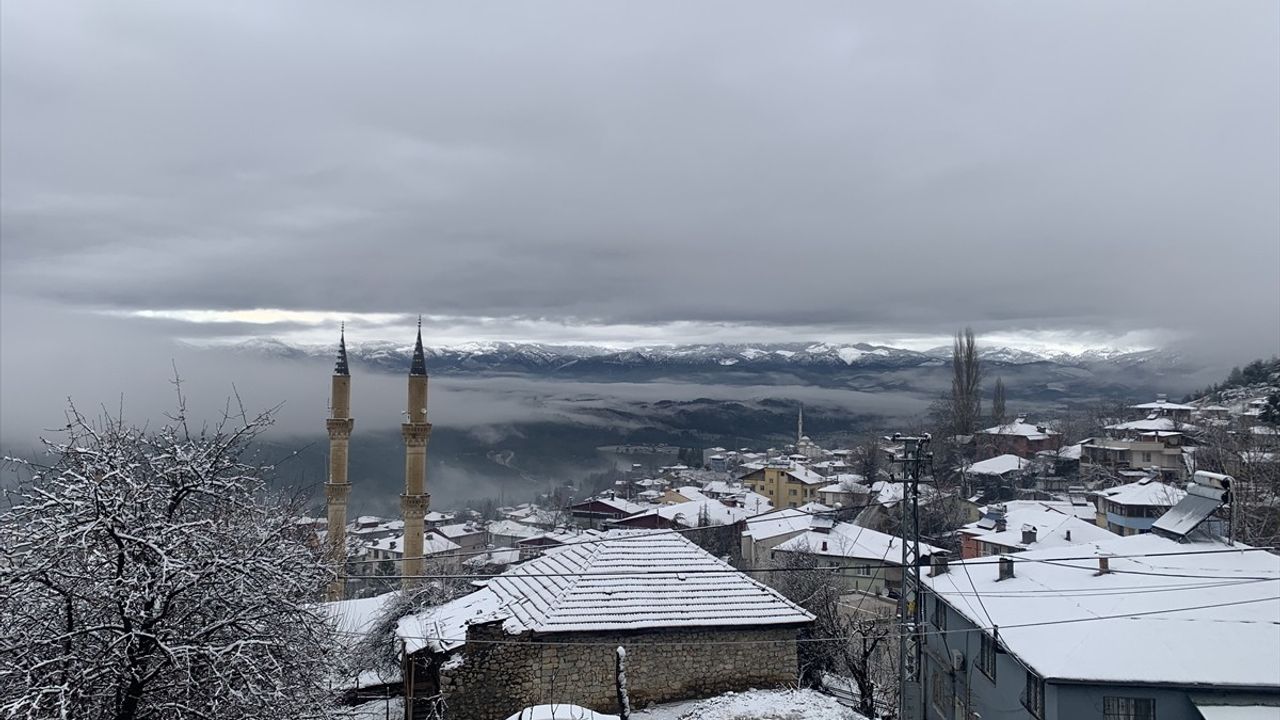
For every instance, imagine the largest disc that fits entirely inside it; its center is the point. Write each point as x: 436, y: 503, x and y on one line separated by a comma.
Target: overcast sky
x: 1077, y: 172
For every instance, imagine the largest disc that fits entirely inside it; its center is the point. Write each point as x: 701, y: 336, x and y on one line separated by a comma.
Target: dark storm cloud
x: 1063, y: 166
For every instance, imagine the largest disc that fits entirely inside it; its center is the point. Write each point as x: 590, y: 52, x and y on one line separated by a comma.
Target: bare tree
x: 845, y: 638
x: 146, y: 574
x: 1255, y: 494
x: 998, y: 403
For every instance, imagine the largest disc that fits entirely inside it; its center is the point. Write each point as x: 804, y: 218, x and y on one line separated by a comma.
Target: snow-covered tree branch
x: 148, y: 574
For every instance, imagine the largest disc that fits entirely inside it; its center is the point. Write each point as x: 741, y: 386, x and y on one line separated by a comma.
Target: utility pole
x: 915, y: 453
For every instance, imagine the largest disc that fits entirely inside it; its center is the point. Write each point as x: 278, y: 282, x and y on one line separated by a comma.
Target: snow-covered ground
x: 749, y: 705
x: 754, y: 705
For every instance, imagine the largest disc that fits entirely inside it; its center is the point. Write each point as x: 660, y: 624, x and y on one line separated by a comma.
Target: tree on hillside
x: 1255, y: 494
x: 966, y: 383
x: 1271, y: 411
x: 145, y: 574
x: 997, y: 403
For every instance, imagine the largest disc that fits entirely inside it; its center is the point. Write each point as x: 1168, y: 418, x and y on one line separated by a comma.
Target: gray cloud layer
x: 1073, y: 165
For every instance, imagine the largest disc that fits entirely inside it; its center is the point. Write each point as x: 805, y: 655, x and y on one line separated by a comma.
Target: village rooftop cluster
x: 1100, y: 573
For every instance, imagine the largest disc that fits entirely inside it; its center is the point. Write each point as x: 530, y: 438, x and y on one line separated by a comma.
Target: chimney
x: 1006, y: 568
x: 1001, y: 523
x: 1104, y: 563
x: 940, y: 559
x: 824, y: 545
x: 1028, y: 534
x: 1068, y: 536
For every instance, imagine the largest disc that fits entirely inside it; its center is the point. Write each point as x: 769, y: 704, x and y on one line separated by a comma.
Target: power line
x: 1059, y: 562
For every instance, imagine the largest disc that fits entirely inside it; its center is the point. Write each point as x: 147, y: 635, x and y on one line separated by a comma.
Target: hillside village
x: 764, y: 568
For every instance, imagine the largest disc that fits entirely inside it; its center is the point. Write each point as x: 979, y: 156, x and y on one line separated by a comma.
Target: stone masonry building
x: 547, y: 631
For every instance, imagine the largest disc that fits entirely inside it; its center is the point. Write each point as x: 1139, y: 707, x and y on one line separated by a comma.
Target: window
x: 1127, y: 708
x: 987, y: 656
x: 862, y: 570
x: 792, y: 492
x: 1033, y: 696
x: 1146, y: 457
x: 939, y: 618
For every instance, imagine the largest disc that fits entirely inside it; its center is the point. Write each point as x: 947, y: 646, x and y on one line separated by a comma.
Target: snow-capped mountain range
x: 537, y: 357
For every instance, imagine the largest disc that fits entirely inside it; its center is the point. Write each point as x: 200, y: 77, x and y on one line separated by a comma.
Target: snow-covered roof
x: 496, y: 556
x: 1154, y: 424
x: 1162, y: 405
x: 622, y: 505
x: 1020, y: 427
x: 805, y: 475
x: 1145, y: 492
x: 688, y: 513
x: 629, y: 580
x: 998, y: 465
x: 754, y: 503
x: 444, y: 627
x: 432, y: 544
x: 846, y: 540
x: 1028, y: 511
x: 1066, y: 621
x: 353, y: 618
x: 511, y: 528
x: 779, y: 522
x: 562, y: 536
x: 814, y: 508
x: 890, y: 493
x: 722, y: 487
x: 1067, y: 452
x: 1053, y: 529
x: 458, y: 530
x: 688, y: 492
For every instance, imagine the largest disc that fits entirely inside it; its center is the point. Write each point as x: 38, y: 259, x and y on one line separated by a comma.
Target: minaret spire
x: 419, y: 366
x: 342, y: 368
x: 337, y: 489
x: 800, y: 424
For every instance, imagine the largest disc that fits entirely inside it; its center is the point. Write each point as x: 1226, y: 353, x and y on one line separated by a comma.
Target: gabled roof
x: 688, y: 513
x: 998, y: 465
x: 620, y: 504
x: 846, y: 540
x: 627, y: 581
x: 457, y: 530
x: 432, y: 544
x: 1053, y: 529
x: 1162, y: 405
x: 1165, y: 613
x: 779, y: 522
x: 1153, y: 424
x: 1020, y: 427
x: 511, y: 528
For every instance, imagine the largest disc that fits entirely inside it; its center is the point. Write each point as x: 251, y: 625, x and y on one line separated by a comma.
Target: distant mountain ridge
x: 500, y: 356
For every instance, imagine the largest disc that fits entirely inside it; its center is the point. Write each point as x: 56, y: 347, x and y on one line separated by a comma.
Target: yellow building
x: 785, y: 484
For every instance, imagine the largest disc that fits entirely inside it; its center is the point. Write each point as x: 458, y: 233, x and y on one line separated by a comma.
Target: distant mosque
x: 416, y: 431
x: 805, y: 446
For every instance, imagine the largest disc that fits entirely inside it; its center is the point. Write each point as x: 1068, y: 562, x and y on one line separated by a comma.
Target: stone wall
x: 498, y: 674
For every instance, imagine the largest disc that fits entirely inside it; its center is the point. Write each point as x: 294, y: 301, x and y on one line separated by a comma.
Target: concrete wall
x: 496, y: 679
x: 1001, y: 696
